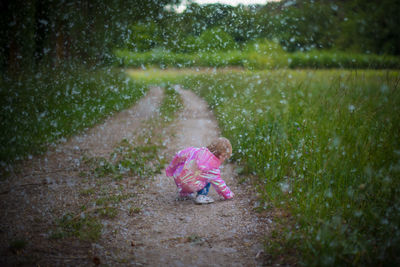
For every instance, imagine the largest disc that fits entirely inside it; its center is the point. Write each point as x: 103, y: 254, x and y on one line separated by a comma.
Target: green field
x: 323, y: 147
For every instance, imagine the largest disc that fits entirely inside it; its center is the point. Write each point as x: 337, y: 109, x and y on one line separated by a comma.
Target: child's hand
x: 229, y: 196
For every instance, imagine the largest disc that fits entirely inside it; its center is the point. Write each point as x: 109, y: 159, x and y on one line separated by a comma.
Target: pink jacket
x: 192, y: 168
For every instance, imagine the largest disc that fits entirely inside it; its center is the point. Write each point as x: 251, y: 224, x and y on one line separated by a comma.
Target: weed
x: 87, y: 192
x: 128, y: 160
x: 171, y: 104
x: 108, y: 212
x: 113, y: 199
x: 134, y: 210
x: 84, y: 227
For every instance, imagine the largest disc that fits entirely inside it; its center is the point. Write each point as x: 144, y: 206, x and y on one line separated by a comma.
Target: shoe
x: 202, y: 199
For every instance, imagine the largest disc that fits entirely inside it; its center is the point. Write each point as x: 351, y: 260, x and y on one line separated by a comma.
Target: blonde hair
x: 220, y: 146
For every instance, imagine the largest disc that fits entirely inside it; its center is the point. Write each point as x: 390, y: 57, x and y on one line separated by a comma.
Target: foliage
x: 215, y: 39
x: 324, y: 146
x: 307, y: 25
x: 371, y: 26
x: 143, y: 36
x: 357, y: 26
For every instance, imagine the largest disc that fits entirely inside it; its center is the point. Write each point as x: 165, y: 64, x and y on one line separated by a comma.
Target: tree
x: 371, y: 26
x: 215, y: 39
x: 143, y: 36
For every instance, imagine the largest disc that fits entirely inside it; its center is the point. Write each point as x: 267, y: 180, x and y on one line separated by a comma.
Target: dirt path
x: 166, y: 232
x: 179, y: 233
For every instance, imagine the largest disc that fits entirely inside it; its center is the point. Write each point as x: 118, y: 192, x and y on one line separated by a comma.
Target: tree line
x: 356, y: 26
x: 54, y: 32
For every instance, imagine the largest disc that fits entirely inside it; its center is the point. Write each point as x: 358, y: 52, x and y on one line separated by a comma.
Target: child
x: 195, y: 169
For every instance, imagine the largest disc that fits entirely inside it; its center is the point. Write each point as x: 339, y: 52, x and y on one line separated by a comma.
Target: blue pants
x: 205, y: 190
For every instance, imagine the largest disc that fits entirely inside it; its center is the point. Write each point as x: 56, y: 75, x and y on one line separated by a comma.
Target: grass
x: 41, y: 109
x: 134, y: 210
x: 171, y: 104
x: 323, y: 148
x: 86, y: 228
x: 128, y: 159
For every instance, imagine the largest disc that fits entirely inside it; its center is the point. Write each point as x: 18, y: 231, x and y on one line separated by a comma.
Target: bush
x: 143, y: 37
x: 162, y: 60
x: 215, y: 39
x: 259, y: 54
x: 331, y: 59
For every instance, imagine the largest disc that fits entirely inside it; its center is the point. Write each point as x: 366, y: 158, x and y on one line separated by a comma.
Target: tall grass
x: 37, y: 110
x: 325, y: 147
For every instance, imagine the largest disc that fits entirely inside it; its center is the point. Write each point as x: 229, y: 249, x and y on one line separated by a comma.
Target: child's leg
x: 205, y: 190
